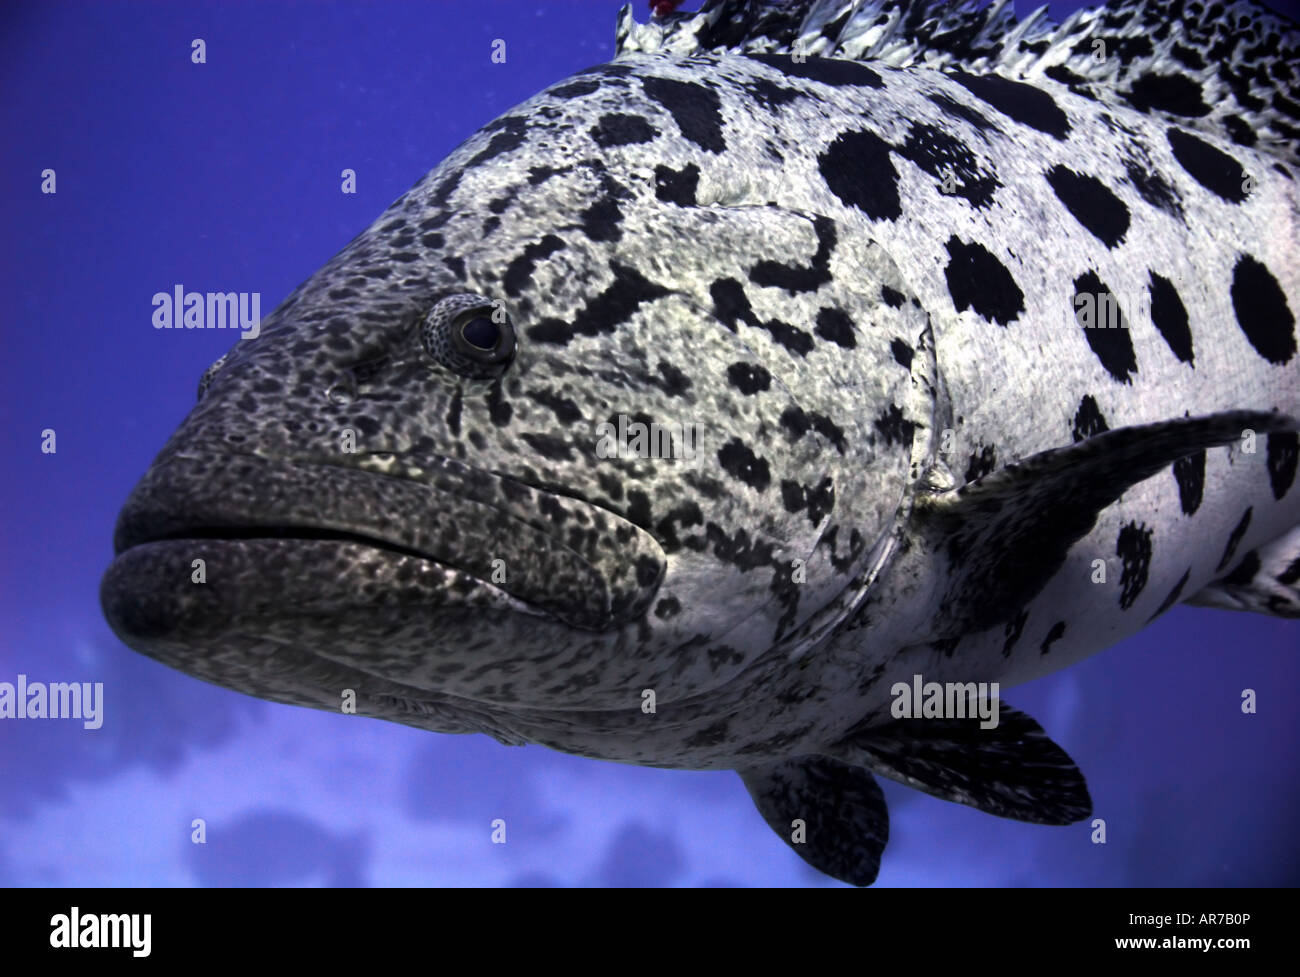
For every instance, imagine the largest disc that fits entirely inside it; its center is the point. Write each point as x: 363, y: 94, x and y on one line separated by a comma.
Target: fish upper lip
x: 563, y: 555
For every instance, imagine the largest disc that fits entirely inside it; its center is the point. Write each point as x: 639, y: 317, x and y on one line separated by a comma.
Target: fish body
x: 955, y: 354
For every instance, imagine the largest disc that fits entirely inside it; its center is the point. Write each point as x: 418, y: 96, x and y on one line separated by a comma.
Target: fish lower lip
x: 300, y: 620
x: 570, y: 559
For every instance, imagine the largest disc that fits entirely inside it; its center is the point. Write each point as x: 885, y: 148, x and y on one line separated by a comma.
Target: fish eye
x: 469, y: 335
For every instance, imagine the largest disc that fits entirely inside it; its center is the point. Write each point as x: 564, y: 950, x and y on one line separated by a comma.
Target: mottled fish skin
x: 858, y: 278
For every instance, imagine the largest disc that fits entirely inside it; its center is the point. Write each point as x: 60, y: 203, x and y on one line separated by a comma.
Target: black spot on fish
x: 893, y: 427
x: 902, y: 353
x: 576, y: 89
x: 960, y: 110
x: 821, y: 500
x: 1133, y: 547
x: 748, y: 378
x: 600, y: 221
x: 829, y: 71
x: 1188, y: 56
x: 1154, y: 188
x: 520, y: 270
x: 950, y: 160
x: 499, y: 410
x: 771, y: 95
x: 672, y: 381
x: 1283, y: 453
x: 1176, y: 94
x: 979, y: 281
x: 453, y: 414
x: 696, y: 110
x: 684, y: 516
x: 556, y: 449
x: 799, y: 422
x: 1240, y: 131
x: 741, y: 463
x: 605, y: 312
x: 731, y: 304
x: 1235, y: 537
x: 1244, y: 572
x: 835, y: 325
x: 677, y: 186
x: 618, y: 129
x: 1189, y: 473
x: 1088, y: 421
x: 456, y: 265
x: 1211, y: 168
x: 796, y: 278
x: 511, y: 138
x: 1172, y: 598
x: 858, y: 170
x: 1285, y: 105
x: 1054, y: 634
x: 1091, y: 203
x: 1014, y: 628
x: 1112, y: 346
x: 1262, y: 311
x: 891, y: 298
x: 792, y: 496
x: 537, y: 175
x: 565, y: 410
x: 638, y: 510
x: 832, y: 29
x: 1059, y: 72
x: 668, y: 608
x: 1170, y: 317
x: 1024, y: 103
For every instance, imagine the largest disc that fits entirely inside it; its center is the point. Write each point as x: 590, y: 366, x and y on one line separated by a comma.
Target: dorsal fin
x: 1230, y: 69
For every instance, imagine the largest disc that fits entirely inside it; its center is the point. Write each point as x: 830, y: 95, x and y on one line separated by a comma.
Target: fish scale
x: 854, y: 246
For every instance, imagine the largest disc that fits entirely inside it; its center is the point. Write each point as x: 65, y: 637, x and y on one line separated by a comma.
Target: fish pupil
x: 481, y: 333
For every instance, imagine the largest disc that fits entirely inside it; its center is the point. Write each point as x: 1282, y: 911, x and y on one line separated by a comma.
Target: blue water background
x: 225, y: 176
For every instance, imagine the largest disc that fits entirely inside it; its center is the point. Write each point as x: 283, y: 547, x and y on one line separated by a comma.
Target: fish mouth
x: 209, y: 540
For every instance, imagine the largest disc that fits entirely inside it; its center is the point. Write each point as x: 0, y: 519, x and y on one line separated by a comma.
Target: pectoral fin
x: 1000, y: 538
x: 832, y: 814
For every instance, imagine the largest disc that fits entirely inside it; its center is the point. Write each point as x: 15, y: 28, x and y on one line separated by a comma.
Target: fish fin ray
x: 1200, y: 71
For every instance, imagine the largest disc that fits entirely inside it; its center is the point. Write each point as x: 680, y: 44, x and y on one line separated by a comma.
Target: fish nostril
x: 343, y: 390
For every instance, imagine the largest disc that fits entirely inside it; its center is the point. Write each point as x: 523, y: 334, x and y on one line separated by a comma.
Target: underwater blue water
x: 225, y: 176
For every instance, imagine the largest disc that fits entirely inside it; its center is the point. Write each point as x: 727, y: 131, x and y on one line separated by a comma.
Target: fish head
x: 535, y: 440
